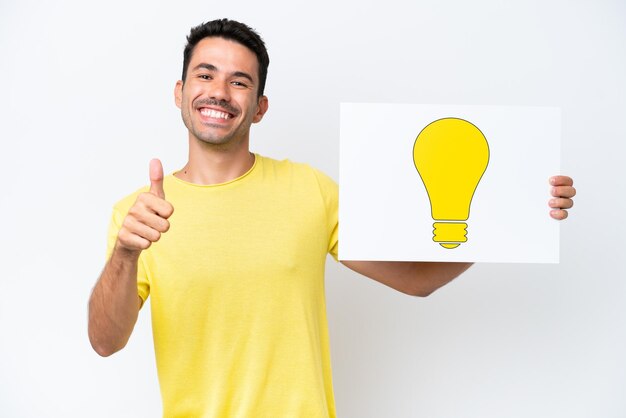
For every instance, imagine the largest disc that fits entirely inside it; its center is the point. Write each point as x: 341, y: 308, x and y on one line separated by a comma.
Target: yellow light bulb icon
x: 451, y: 156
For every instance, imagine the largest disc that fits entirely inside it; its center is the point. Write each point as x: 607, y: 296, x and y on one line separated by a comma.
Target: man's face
x: 218, y: 100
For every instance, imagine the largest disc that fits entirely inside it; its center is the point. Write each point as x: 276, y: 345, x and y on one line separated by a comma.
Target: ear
x: 178, y: 93
x: 262, y: 107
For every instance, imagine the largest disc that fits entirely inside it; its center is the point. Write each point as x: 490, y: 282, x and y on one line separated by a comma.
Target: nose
x: 220, y: 90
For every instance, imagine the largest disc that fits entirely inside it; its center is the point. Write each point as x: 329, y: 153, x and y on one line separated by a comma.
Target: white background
x: 384, y: 209
x: 87, y: 101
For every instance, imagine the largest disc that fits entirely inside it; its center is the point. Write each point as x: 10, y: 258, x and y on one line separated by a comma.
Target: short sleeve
x: 330, y: 195
x: 117, y: 217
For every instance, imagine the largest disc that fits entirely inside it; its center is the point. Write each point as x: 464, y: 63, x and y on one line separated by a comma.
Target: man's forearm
x: 114, y: 303
x: 413, y: 278
x: 430, y: 276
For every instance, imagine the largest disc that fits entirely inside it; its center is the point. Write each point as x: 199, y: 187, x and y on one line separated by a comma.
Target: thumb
x: 156, y: 178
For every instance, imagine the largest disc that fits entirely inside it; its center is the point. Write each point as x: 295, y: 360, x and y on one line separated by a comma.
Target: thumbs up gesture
x: 147, y: 218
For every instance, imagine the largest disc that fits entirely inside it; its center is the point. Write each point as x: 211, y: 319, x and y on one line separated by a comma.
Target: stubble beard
x: 209, y: 133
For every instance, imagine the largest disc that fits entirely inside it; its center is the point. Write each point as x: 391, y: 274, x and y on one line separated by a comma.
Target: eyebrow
x: 211, y: 67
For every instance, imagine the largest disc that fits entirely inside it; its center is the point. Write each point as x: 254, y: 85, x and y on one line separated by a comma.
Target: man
x: 232, y: 248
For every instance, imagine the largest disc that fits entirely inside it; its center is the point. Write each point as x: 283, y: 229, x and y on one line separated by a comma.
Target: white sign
x: 448, y: 183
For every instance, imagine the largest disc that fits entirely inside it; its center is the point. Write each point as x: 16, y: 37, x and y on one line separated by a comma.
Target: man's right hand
x: 114, y: 303
x: 147, y: 218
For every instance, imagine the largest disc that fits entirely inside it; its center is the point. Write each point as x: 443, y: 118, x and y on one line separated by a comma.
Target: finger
x: 163, y: 208
x: 561, y: 203
x: 561, y: 181
x: 558, y: 214
x: 150, y: 203
x: 156, y: 178
x: 131, y: 241
x: 139, y: 229
x: 563, y: 191
x: 154, y: 221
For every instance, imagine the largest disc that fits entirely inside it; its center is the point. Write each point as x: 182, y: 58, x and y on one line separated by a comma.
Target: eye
x: 239, y: 84
x: 204, y: 76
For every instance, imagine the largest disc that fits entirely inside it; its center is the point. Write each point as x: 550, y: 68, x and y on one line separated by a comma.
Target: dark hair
x: 234, y: 31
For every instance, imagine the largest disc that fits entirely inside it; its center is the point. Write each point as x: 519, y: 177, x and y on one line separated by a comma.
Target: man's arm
x: 114, y: 304
x: 422, y: 278
x: 412, y: 278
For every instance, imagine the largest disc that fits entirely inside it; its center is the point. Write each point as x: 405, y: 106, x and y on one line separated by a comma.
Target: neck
x: 210, y: 164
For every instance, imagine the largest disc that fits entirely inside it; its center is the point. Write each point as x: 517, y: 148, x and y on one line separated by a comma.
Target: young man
x: 236, y: 278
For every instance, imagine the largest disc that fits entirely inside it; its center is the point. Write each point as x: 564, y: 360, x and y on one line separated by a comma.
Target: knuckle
x: 143, y: 197
x: 124, y: 236
x: 134, y: 211
x: 130, y: 225
x: 126, y: 223
x: 122, y: 241
x: 169, y: 210
x: 139, y: 201
x: 144, y: 200
x: 127, y: 240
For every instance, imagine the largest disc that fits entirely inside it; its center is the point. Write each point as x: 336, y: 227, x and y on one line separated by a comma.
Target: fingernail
x: 552, y: 202
x: 552, y: 180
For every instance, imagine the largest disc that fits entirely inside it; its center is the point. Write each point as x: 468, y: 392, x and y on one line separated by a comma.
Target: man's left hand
x: 562, y: 192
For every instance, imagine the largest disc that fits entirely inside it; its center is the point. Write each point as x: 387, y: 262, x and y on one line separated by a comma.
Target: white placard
x: 385, y: 208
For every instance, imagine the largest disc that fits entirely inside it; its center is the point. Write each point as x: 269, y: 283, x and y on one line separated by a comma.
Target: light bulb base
x: 450, y: 234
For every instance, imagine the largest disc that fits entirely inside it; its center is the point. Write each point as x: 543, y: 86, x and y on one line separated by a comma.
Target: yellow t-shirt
x: 237, y: 294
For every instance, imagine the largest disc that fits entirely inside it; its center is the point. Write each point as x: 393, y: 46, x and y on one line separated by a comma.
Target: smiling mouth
x: 215, y: 114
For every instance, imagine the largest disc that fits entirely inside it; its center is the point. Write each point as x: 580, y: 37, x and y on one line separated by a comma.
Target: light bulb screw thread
x: 450, y: 234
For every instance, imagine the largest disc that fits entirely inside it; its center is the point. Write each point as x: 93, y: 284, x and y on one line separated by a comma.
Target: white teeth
x: 212, y: 113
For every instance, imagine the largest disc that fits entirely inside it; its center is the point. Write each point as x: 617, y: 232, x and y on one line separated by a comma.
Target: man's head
x: 234, y: 31
x: 221, y: 94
